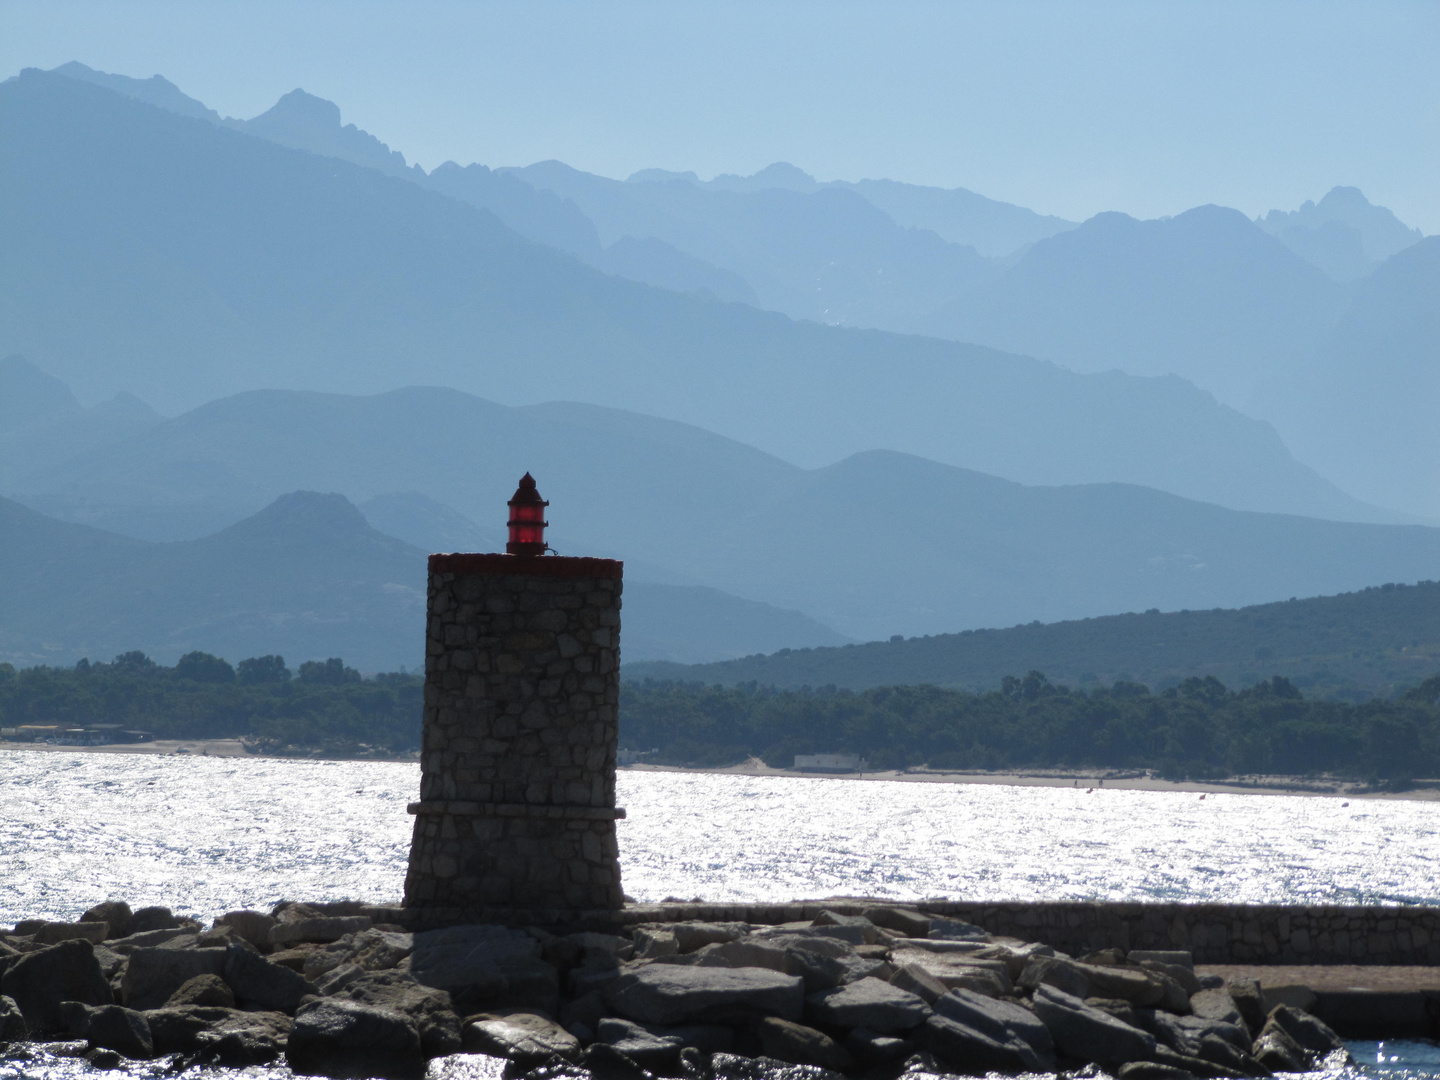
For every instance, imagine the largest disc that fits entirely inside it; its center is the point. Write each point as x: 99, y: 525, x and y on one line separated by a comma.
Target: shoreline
x: 1096, y: 779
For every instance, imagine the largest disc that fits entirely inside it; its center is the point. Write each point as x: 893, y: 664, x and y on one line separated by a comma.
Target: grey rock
x: 665, y: 994
x: 100, y: 1058
x: 336, y: 979
x: 525, y: 1038
x: 149, y: 939
x: 253, y: 926
x: 110, y: 962
x: 321, y: 929
x: 869, y: 933
x: 605, y: 1062
x: 206, y: 990
x: 1184, y: 1034
x: 967, y: 1050
x: 39, y: 981
x: 1001, y: 1020
x: 1181, y: 975
x: 432, y: 1010
x: 647, y: 1047
x: 115, y: 914
x: 956, y: 930
x: 1309, y: 1032
x: 1135, y: 985
x: 351, y: 1041
x: 52, y: 933
x: 786, y: 1040
x: 872, y: 1048
x: 154, y: 918
x: 901, y: 920
x: 691, y: 936
x: 123, y: 1030
x: 258, y: 983
x: 737, y: 954
x: 868, y: 1003
x: 153, y: 974
x: 652, y: 942
x: 465, y: 1067
x: 13, y: 1027
x: 75, y: 1016
x: 218, y: 1036
x: 1217, y: 1004
x: 1168, y: 957
x: 1089, y: 1034
x: 917, y: 980
x: 1249, y: 1000
x: 486, y: 966
x: 1278, y: 1052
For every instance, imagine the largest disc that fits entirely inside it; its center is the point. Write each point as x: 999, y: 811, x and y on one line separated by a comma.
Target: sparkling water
x: 206, y: 835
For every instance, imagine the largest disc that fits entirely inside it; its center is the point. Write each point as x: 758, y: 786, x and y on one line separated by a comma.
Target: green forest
x: 1199, y: 729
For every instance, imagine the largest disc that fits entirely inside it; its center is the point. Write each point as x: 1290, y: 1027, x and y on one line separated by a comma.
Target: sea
x: 204, y: 835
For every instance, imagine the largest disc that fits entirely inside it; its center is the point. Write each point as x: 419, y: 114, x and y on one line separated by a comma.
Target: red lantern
x: 527, y: 520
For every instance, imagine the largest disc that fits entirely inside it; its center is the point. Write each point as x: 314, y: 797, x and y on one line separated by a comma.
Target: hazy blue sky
x: 1069, y: 108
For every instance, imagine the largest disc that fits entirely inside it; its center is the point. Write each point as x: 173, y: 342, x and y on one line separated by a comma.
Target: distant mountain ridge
x: 306, y: 577
x: 286, y: 269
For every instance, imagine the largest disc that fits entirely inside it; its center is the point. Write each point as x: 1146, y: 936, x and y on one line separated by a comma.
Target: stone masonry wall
x: 522, y: 692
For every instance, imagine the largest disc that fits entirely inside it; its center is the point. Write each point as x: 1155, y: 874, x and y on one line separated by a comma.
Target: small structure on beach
x: 831, y: 763
x: 521, y: 722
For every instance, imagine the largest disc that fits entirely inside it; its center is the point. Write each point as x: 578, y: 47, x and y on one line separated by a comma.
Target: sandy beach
x: 1112, y: 779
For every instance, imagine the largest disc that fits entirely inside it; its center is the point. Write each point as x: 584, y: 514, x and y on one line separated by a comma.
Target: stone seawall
x: 1213, y: 933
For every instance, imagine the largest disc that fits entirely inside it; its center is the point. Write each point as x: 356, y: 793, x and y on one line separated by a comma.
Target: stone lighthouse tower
x: 522, y: 687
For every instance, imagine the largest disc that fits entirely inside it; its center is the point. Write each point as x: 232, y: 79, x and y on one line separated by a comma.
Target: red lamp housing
x: 527, y: 520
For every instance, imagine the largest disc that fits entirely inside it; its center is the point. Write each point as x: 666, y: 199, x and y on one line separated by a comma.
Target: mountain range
x: 138, y: 240
x: 878, y: 543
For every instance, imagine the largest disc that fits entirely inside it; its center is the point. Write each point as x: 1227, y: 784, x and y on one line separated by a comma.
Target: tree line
x: 1199, y: 729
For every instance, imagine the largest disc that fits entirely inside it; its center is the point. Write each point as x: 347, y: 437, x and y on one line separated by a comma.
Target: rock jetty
x: 345, y: 990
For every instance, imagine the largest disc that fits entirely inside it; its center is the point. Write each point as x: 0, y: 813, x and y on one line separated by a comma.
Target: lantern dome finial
x: 527, y: 520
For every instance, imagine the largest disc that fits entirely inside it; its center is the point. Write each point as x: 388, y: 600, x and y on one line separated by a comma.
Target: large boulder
x: 321, y: 929
x: 1310, y: 1032
x: 786, y: 1040
x: 351, y: 1041
x: 668, y: 994
x: 1278, y: 1052
x: 901, y: 920
x: 52, y: 933
x: 868, y: 1003
x: 123, y: 1030
x: 174, y: 936
x: 155, y: 918
x: 1135, y: 985
x: 39, y: 981
x: 1217, y: 1004
x: 153, y: 974
x: 1185, y: 1034
x: 260, y: 984
x: 525, y: 1038
x: 219, y: 1036
x: 737, y: 954
x: 115, y: 914
x: 653, y: 1049
x: 13, y: 1027
x: 1089, y: 1034
x: 1002, y: 1021
x: 486, y: 966
x: 429, y: 1009
x: 253, y: 926
x: 972, y: 1052
x: 207, y: 990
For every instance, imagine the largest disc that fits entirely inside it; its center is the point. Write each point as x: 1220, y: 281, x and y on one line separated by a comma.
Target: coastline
x: 1097, y: 779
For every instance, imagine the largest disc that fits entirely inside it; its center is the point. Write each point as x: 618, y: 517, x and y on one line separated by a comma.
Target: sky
x: 1068, y: 108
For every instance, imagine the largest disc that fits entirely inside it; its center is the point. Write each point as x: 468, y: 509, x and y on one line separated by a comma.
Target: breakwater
x: 1212, y: 933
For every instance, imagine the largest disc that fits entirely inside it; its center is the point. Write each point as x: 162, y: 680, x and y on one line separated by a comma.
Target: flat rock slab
x: 869, y: 1003
x: 1089, y: 1034
x: 671, y: 994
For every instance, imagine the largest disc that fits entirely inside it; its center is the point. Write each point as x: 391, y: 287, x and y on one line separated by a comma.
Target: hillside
x: 135, y: 239
x: 307, y: 578
x: 683, y: 506
x: 1360, y: 644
